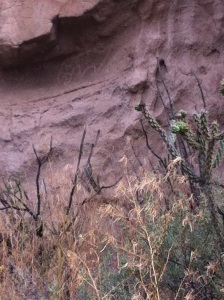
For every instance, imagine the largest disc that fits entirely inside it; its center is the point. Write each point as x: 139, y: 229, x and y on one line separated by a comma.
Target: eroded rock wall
x: 70, y: 64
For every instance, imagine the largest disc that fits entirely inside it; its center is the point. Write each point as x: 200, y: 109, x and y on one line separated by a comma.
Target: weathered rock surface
x: 70, y: 64
x: 29, y: 28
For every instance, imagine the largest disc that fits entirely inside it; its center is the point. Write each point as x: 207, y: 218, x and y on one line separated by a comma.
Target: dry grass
x: 145, y: 244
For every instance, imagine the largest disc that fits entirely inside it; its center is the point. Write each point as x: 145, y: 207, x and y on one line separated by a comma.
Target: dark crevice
x: 71, y: 35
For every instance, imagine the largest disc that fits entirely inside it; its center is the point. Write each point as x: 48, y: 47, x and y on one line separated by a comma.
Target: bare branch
x: 201, y: 90
x: 40, y: 164
x: 164, y: 105
x: 108, y: 186
x: 13, y: 195
x: 4, y: 208
x: 86, y: 200
x: 92, y: 147
x: 88, y: 167
x: 76, y: 172
x: 166, y: 89
x: 13, y: 207
x: 150, y: 148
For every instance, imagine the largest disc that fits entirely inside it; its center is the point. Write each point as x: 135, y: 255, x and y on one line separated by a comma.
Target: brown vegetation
x: 158, y: 236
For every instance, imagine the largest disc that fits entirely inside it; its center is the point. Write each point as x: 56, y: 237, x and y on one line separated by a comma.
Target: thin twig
x: 166, y: 89
x: 88, y: 167
x: 76, y: 172
x: 161, y: 98
x: 26, y: 208
x: 40, y: 163
x: 13, y: 195
x: 201, y: 90
x: 13, y: 207
x: 150, y: 148
x: 92, y: 147
x: 86, y: 200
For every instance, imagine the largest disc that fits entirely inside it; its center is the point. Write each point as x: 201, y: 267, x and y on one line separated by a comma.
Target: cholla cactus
x: 220, y: 155
x: 199, y: 142
x: 171, y: 148
x: 180, y: 127
x: 181, y: 115
x: 222, y: 87
x: 202, y: 140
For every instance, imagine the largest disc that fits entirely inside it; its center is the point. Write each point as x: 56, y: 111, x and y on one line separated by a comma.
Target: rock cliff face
x: 67, y: 64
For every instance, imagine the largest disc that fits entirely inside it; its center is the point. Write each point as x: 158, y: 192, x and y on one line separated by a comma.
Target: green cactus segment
x: 209, y: 159
x: 192, y: 140
x: 220, y: 155
x: 180, y: 127
x: 203, y: 125
x: 214, y: 128
x: 220, y: 136
x: 222, y: 87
